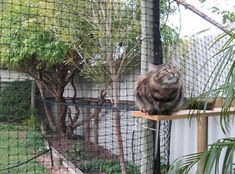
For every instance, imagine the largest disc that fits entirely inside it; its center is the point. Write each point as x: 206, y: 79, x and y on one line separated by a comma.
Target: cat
x: 160, y: 91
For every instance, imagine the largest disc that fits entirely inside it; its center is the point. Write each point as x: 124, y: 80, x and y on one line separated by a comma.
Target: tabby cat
x: 160, y: 91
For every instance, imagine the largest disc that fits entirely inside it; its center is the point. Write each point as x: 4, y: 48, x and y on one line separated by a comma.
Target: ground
x: 56, y: 169
x: 91, y: 151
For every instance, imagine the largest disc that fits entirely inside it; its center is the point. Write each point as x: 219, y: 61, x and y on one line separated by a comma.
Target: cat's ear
x: 152, y: 67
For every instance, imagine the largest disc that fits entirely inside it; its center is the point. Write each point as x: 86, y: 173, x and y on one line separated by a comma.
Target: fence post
x: 202, y: 132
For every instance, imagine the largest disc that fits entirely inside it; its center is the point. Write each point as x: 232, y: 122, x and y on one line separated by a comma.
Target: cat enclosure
x: 67, y: 78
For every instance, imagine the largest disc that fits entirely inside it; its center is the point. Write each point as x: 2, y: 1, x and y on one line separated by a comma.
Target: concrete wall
x: 9, y: 76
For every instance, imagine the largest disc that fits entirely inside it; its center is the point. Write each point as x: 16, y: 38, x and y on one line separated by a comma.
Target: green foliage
x: 228, y: 16
x: 170, y: 36
x: 5, y: 127
x: 221, y: 152
x: 116, y: 35
x: 29, y: 31
x: 226, y: 90
x: 108, y: 166
x: 27, y: 44
x: 36, y: 140
x: 77, y: 151
x: 15, y: 149
x: 11, y: 127
x: 33, y: 122
x: 15, y: 101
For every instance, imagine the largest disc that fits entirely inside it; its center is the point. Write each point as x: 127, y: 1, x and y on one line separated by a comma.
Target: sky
x: 191, y: 23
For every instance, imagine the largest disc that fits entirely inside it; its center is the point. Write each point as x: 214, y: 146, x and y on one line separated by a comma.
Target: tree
x: 117, y: 36
x: 39, y: 37
x: 117, y: 32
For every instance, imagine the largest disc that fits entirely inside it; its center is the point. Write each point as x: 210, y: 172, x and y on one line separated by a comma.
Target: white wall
x: 184, y: 136
x: 10, y: 76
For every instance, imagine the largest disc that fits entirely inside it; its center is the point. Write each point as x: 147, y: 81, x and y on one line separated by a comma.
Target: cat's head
x: 165, y: 74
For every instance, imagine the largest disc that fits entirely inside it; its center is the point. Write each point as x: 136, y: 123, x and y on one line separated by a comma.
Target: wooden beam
x: 183, y: 114
x: 204, y: 16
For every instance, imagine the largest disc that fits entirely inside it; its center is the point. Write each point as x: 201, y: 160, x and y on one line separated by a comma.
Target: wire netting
x: 67, y: 78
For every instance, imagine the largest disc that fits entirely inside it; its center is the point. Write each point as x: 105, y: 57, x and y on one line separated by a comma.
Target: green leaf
x: 211, y: 158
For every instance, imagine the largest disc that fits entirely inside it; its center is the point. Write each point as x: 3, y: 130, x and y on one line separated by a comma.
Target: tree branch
x: 204, y: 16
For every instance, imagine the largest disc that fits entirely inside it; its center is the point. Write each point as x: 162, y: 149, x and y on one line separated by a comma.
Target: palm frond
x: 219, y: 157
x: 225, y: 67
x: 219, y: 153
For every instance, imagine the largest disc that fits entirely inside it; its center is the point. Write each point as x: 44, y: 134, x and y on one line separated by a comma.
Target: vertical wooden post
x: 202, y: 128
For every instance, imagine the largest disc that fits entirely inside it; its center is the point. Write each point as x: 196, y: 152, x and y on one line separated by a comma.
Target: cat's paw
x: 144, y: 110
x: 152, y: 112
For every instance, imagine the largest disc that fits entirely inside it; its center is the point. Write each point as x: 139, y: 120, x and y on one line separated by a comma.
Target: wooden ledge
x: 182, y: 114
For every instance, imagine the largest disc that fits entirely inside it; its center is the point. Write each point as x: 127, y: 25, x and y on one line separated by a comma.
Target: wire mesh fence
x: 68, y: 73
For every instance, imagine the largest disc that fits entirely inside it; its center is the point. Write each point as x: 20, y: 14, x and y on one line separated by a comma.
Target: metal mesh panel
x: 67, y: 79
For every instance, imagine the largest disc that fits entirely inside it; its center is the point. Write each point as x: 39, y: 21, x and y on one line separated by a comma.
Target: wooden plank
x: 183, y: 114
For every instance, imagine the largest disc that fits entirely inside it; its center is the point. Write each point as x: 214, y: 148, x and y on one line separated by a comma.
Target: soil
x: 92, y: 151
x: 55, y: 169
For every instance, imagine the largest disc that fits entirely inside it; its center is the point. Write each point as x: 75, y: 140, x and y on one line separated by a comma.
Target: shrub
x: 32, y: 122
x: 107, y: 166
x: 35, y: 139
x: 15, y: 103
x: 76, y: 151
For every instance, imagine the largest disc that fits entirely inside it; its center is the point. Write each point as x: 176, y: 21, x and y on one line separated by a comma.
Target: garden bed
x: 83, y: 157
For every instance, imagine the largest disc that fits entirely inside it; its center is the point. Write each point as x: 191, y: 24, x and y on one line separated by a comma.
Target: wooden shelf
x: 181, y: 114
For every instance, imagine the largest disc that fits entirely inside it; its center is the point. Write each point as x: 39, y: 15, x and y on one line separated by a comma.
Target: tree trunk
x: 72, y: 122
x: 87, y: 124
x: 33, y: 94
x: 96, y: 117
x: 61, y: 111
x: 46, y: 108
x: 96, y: 126
x: 117, y: 122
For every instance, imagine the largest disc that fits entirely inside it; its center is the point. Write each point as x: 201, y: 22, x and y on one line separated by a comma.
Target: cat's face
x: 166, y: 75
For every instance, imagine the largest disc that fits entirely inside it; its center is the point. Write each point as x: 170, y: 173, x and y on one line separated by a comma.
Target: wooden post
x: 202, y: 134
x: 202, y: 128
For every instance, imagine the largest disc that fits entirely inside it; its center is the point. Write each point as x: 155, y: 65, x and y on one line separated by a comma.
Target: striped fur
x: 160, y: 91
